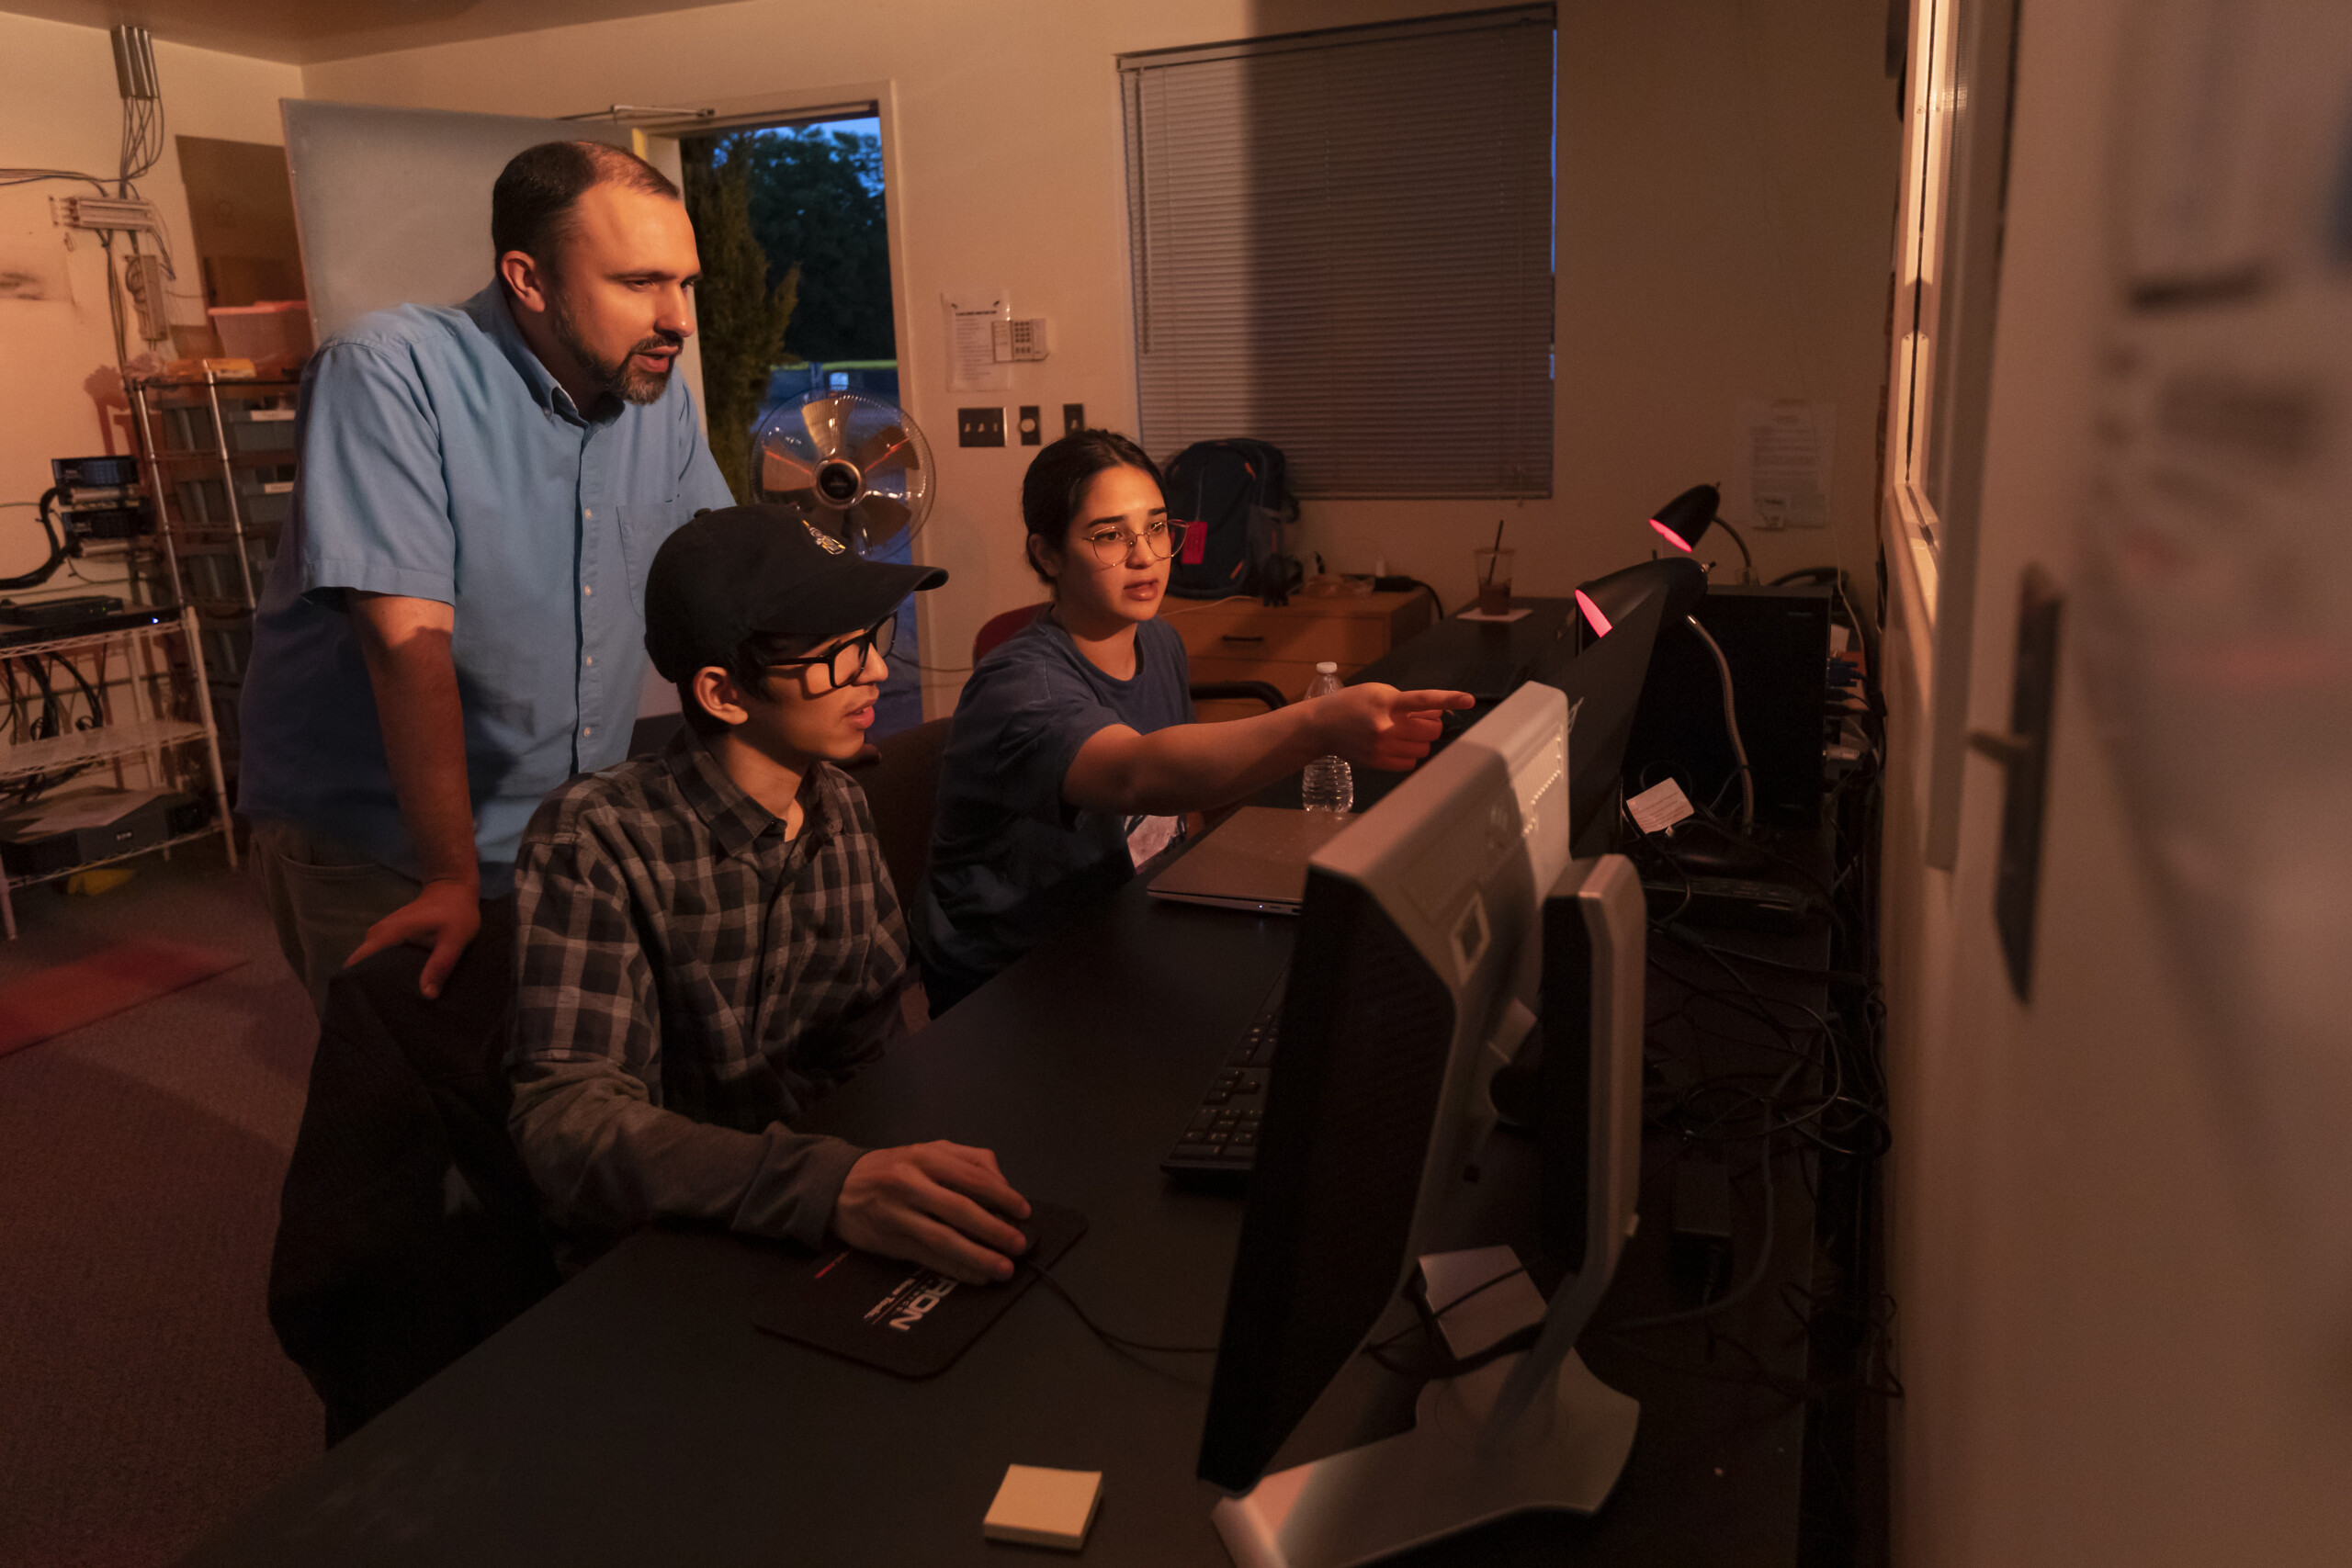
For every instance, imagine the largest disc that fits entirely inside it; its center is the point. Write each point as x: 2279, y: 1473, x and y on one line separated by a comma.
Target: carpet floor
x: 144, y: 1402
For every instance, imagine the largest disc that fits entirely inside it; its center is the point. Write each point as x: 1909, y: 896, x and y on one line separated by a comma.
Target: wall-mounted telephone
x: 1021, y: 340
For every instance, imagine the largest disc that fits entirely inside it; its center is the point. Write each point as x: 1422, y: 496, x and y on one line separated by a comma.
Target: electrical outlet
x: 1030, y: 432
x: 980, y: 427
x: 1073, y: 418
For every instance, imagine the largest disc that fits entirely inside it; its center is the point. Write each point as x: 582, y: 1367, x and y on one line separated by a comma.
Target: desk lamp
x: 1683, y: 581
x: 1605, y: 601
x: 1681, y: 520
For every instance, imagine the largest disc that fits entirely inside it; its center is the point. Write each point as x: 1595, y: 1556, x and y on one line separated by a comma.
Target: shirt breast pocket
x: 643, y: 527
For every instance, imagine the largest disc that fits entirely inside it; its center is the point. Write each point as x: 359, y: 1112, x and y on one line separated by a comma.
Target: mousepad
x: 902, y: 1317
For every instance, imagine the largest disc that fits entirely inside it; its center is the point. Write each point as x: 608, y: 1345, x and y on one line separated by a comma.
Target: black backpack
x: 1236, y: 494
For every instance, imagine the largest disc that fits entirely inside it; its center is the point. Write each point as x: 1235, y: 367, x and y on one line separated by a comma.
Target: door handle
x: 2001, y: 748
x: 2023, y: 751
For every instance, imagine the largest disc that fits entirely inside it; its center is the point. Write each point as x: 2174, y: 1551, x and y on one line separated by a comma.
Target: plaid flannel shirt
x: 689, y: 980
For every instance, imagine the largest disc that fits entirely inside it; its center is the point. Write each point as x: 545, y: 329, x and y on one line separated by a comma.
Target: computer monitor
x: 1418, y: 970
x: 1602, y: 668
x: 1603, y: 680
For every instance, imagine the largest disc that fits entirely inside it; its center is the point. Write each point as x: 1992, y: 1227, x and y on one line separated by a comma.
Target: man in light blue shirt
x: 454, y: 624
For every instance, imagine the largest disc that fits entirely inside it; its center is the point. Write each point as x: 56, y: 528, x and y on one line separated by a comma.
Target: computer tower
x: 1777, y: 642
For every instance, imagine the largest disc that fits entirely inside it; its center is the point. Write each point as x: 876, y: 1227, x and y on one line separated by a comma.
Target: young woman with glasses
x: 1074, y: 753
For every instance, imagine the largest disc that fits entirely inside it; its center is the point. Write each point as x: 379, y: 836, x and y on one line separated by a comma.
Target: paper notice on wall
x: 1784, y: 462
x: 972, y: 318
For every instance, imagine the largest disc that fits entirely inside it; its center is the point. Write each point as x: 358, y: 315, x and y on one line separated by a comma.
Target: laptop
x: 1255, y: 860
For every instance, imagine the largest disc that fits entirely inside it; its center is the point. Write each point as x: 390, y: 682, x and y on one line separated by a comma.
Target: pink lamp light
x: 1592, y: 615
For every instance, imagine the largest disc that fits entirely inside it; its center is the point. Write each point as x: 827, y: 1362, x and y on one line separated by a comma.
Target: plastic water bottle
x: 1327, y: 784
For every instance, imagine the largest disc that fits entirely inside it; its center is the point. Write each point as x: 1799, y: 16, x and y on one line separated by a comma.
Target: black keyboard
x: 1221, y: 1137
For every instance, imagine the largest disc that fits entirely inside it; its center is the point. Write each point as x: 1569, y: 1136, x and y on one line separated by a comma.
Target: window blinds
x: 1342, y: 244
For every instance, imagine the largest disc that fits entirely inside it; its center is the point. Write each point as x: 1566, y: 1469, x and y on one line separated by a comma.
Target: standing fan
x: 852, y: 465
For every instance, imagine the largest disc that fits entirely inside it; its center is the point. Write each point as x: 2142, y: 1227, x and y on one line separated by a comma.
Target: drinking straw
x: 1495, y: 556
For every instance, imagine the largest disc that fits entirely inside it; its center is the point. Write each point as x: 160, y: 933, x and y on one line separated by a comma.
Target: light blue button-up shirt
x: 440, y: 461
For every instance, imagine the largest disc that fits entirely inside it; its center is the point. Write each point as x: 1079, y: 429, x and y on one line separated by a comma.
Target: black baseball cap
x: 741, y: 569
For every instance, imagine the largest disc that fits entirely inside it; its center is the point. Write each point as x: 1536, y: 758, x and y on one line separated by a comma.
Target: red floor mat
x: 71, y: 995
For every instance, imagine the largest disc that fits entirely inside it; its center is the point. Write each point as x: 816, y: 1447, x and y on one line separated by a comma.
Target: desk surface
x: 635, y: 1416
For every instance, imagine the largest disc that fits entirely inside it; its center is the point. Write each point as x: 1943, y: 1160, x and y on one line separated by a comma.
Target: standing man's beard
x: 620, y: 377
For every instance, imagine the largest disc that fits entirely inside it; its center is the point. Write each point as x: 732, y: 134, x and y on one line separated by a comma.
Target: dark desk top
x: 635, y: 1416
x: 1487, y: 658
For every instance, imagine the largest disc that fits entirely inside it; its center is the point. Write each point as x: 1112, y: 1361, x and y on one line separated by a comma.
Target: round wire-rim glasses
x: 1161, y: 539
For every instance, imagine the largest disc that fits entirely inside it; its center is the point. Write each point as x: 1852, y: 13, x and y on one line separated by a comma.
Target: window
x: 1956, y: 171
x: 1342, y: 244
x: 1958, y: 91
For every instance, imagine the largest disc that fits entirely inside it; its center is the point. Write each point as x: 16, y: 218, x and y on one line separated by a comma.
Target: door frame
x: 846, y: 100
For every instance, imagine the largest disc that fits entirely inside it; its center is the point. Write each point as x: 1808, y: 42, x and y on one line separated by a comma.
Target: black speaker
x: 1777, y: 642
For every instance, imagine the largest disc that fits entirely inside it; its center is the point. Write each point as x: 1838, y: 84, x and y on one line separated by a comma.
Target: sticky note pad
x: 1043, y: 1508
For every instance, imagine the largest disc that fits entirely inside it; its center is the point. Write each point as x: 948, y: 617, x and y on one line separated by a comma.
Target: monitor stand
x: 1442, y: 1477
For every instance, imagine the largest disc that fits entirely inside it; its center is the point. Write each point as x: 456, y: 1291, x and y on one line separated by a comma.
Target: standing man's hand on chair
x: 405, y: 643
x: 444, y: 916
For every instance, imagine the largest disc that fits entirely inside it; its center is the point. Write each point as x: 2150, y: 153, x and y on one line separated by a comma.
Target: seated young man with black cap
x: 709, y: 938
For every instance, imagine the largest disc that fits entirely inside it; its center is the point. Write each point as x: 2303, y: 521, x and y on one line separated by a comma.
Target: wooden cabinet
x: 1241, y: 639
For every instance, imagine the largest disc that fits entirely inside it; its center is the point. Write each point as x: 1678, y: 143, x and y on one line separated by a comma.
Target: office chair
x: 408, y: 1229
x: 900, y: 776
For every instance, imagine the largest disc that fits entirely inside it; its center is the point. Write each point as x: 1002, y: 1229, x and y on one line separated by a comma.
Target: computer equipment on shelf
x: 22, y: 624
x: 61, y: 832
x: 100, y: 498
x: 59, y: 612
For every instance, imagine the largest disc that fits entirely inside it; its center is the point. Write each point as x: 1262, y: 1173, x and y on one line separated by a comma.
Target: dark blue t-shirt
x: 1010, y: 860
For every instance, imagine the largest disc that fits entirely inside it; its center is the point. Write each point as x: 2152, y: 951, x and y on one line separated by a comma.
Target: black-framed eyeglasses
x: 845, y: 662
x: 1161, y: 537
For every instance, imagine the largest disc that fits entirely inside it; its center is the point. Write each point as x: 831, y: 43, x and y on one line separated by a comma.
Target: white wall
x: 62, y: 111
x: 2100, y: 1328
x: 1728, y: 179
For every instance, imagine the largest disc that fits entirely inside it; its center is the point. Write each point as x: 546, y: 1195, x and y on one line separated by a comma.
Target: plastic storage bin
x: 258, y: 432
x: 260, y: 500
